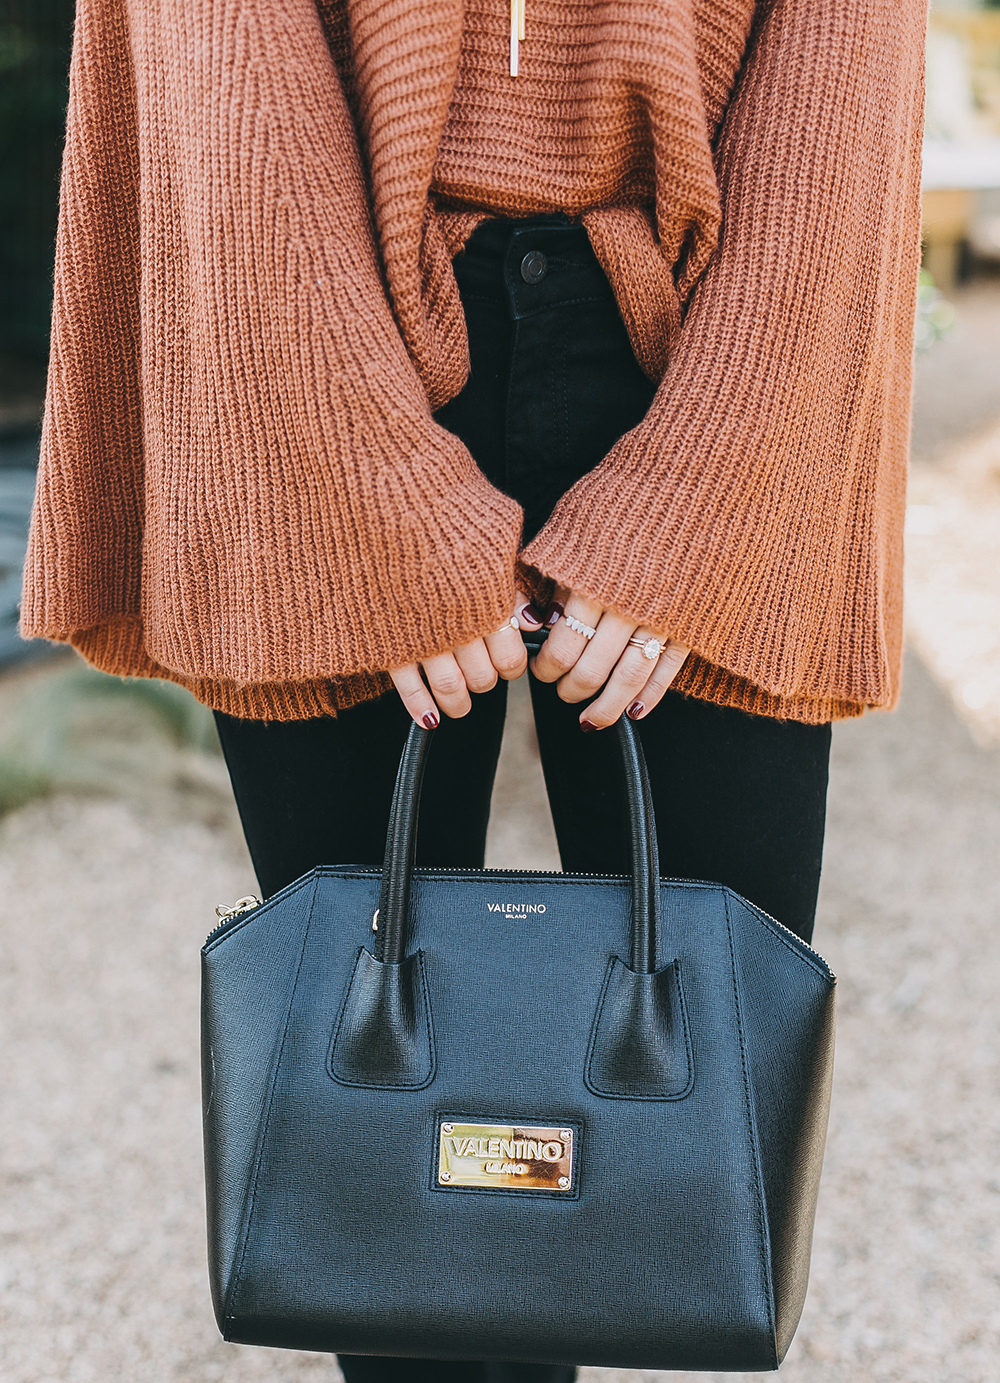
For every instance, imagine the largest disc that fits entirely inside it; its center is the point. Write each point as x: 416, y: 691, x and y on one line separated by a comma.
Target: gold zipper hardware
x: 241, y: 905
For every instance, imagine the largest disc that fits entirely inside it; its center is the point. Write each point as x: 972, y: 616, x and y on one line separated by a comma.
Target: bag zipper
x: 241, y: 905
x: 247, y: 904
x: 227, y: 916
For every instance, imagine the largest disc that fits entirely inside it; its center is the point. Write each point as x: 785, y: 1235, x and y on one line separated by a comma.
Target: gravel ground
x: 104, y: 904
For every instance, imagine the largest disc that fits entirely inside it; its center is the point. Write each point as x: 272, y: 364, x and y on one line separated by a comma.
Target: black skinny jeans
x: 739, y: 799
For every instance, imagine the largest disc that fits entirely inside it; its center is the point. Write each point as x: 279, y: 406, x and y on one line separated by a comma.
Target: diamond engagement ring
x: 578, y: 626
x: 651, y: 648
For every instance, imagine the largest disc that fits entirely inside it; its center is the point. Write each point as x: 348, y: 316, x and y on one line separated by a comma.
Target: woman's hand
x: 581, y: 667
x: 472, y: 667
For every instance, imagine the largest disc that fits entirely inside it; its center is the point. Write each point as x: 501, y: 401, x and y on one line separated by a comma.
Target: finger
x: 636, y: 685
x: 599, y: 660
x: 504, y: 645
x: 557, y: 605
x: 668, y: 665
x: 477, y: 668
x: 565, y: 646
x: 527, y: 613
x: 447, y: 685
x: 507, y: 653
x: 415, y: 696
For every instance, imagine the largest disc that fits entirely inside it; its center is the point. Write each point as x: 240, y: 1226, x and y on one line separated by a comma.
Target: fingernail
x: 635, y: 710
x: 530, y: 614
x: 432, y: 720
x: 556, y: 611
x: 587, y: 725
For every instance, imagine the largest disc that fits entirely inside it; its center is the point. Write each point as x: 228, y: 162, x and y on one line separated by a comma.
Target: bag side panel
x: 788, y: 999
x: 248, y: 978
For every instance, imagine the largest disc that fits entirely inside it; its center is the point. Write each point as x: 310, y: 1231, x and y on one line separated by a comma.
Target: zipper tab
x: 241, y: 905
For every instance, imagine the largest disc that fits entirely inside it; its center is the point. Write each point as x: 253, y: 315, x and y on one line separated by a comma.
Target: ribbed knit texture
x: 242, y: 487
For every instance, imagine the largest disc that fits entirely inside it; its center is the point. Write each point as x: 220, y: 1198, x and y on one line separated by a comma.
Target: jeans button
x: 534, y: 266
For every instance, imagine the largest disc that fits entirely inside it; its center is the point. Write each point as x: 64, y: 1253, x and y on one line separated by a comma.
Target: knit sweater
x: 242, y: 485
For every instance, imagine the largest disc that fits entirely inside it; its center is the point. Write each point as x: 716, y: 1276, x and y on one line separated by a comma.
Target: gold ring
x: 651, y: 648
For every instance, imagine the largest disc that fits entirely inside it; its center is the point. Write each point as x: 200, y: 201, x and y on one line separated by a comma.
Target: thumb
x: 557, y: 605
x: 527, y: 616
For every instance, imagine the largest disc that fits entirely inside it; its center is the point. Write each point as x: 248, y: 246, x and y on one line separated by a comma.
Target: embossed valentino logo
x: 505, y: 1157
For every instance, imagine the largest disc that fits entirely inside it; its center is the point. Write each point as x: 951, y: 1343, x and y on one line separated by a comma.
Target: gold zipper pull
x: 241, y: 905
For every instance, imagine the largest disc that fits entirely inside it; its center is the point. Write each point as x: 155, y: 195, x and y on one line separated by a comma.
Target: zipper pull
x: 246, y: 904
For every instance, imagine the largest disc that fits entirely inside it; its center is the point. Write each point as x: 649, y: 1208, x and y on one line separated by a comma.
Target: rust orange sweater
x: 242, y: 486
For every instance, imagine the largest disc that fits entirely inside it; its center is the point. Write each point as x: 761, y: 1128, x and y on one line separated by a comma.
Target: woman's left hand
x: 580, y: 666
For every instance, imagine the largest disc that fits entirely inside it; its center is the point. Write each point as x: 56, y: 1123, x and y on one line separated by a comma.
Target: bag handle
x: 401, y: 843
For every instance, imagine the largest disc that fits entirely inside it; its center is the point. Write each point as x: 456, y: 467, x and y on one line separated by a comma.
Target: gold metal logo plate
x: 505, y: 1157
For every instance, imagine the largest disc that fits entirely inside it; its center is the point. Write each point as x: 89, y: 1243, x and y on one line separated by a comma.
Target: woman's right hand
x: 472, y: 667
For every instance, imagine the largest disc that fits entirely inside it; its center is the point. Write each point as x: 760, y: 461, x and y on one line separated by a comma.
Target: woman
x: 677, y: 243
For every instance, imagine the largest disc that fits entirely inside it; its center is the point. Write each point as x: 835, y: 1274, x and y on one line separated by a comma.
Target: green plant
x: 935, y: 314
x: 83, y: 730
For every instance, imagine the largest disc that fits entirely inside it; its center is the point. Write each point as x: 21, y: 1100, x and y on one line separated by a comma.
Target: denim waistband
x: 532, y: 264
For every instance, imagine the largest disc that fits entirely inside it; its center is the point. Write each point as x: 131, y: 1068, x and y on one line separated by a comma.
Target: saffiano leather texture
x: 680, y: 1036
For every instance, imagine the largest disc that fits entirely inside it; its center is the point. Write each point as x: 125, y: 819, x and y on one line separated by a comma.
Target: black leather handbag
x: 490, y: 1114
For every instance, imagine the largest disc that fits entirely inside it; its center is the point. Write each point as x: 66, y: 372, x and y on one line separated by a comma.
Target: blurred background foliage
x: 69, y: 728
x: 35, y: 40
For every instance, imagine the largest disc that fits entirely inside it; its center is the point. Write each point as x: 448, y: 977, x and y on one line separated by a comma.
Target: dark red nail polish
x: 556, y: 612
x: 635, y: 710
x: 531, y: 615
x: 432, y: 720
x: 587, y: 725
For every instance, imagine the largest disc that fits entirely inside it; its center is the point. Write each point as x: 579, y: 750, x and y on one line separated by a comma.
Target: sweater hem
x: 116, y: 648
x: 708, y: 681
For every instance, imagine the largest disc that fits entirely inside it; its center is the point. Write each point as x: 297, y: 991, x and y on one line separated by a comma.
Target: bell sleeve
x: 241, y: 481
x: 756, y: 512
